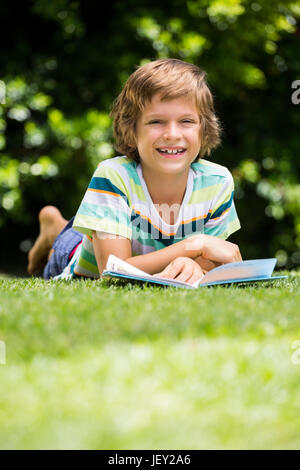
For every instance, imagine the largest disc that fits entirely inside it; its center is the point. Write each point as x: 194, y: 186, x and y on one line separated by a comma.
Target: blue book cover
x: 244, y: 271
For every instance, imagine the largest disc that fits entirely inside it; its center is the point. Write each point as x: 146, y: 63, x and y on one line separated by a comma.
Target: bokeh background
x: 62, y: 63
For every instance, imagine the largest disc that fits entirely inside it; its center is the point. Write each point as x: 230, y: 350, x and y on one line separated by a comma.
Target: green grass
x: 95, y: 366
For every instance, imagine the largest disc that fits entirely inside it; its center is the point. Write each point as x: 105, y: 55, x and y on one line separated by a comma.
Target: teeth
x: 171, y: 152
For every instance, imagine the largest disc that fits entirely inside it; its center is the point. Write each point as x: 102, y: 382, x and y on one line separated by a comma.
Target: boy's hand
x: 206, y: 265
x: 214, y: 249
x: 182, y: 269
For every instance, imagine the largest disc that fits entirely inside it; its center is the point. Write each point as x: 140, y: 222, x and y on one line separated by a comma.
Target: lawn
x: 90, y: 365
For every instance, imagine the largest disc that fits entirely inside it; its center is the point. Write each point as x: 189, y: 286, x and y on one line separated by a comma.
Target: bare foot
x: 51, y: 224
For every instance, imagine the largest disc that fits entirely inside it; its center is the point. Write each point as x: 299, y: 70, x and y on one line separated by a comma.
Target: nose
x: 172, y: 131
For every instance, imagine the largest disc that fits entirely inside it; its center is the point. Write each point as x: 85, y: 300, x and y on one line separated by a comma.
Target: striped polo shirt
x: 117, y: 201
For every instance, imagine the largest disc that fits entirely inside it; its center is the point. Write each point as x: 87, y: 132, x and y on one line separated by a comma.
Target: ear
x: 130, y: 138
x: 132, y: 143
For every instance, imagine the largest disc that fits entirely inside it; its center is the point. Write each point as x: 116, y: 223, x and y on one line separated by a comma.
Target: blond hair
x: 171, y: 78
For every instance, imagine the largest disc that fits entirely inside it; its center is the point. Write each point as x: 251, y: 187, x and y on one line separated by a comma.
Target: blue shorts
x: 63, y: 246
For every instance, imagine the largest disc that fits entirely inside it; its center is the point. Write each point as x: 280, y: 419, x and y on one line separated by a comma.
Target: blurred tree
x: 62, y: 64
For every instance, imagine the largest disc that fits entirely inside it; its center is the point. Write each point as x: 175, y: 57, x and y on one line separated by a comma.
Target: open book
x: 244, y: 271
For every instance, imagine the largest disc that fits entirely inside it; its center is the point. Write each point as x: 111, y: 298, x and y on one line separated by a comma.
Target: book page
x: 118, y: 265
x: 256, y: 268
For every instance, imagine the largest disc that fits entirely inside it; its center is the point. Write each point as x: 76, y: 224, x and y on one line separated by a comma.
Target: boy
x: 161, y: 207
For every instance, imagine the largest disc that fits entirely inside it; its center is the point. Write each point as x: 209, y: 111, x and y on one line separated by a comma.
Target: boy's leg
x: 51, y: 224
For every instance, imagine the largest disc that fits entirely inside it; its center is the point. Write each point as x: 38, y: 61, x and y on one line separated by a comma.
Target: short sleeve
x: 223, y: 220
x: 105, y: 206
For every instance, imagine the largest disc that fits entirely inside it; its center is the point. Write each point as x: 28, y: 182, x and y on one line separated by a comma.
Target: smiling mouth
x: 170, y: 153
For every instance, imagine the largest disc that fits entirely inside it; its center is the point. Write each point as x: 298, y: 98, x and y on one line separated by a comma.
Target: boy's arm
x: 106, y: 244
x: 208, y: 247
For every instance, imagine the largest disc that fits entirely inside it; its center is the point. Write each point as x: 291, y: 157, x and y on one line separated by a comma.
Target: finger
x: 170, y: 272
x: 195, y: 277
x: 174, y: 269
x: 191, y: 274
x: 238, y: 257
x: 183, y: 277
x: 185, y: 274
x: 237, y: 253
x: 164, y: 272
x: 206, y: 264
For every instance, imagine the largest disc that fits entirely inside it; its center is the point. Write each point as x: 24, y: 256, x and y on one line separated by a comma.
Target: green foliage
x: 60, y: 76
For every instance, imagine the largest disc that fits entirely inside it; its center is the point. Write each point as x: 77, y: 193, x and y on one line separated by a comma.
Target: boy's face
x: 168, y: 135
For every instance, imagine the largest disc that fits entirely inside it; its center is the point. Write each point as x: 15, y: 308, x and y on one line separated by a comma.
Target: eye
x: 188, y: 121
x: 155, y: 121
